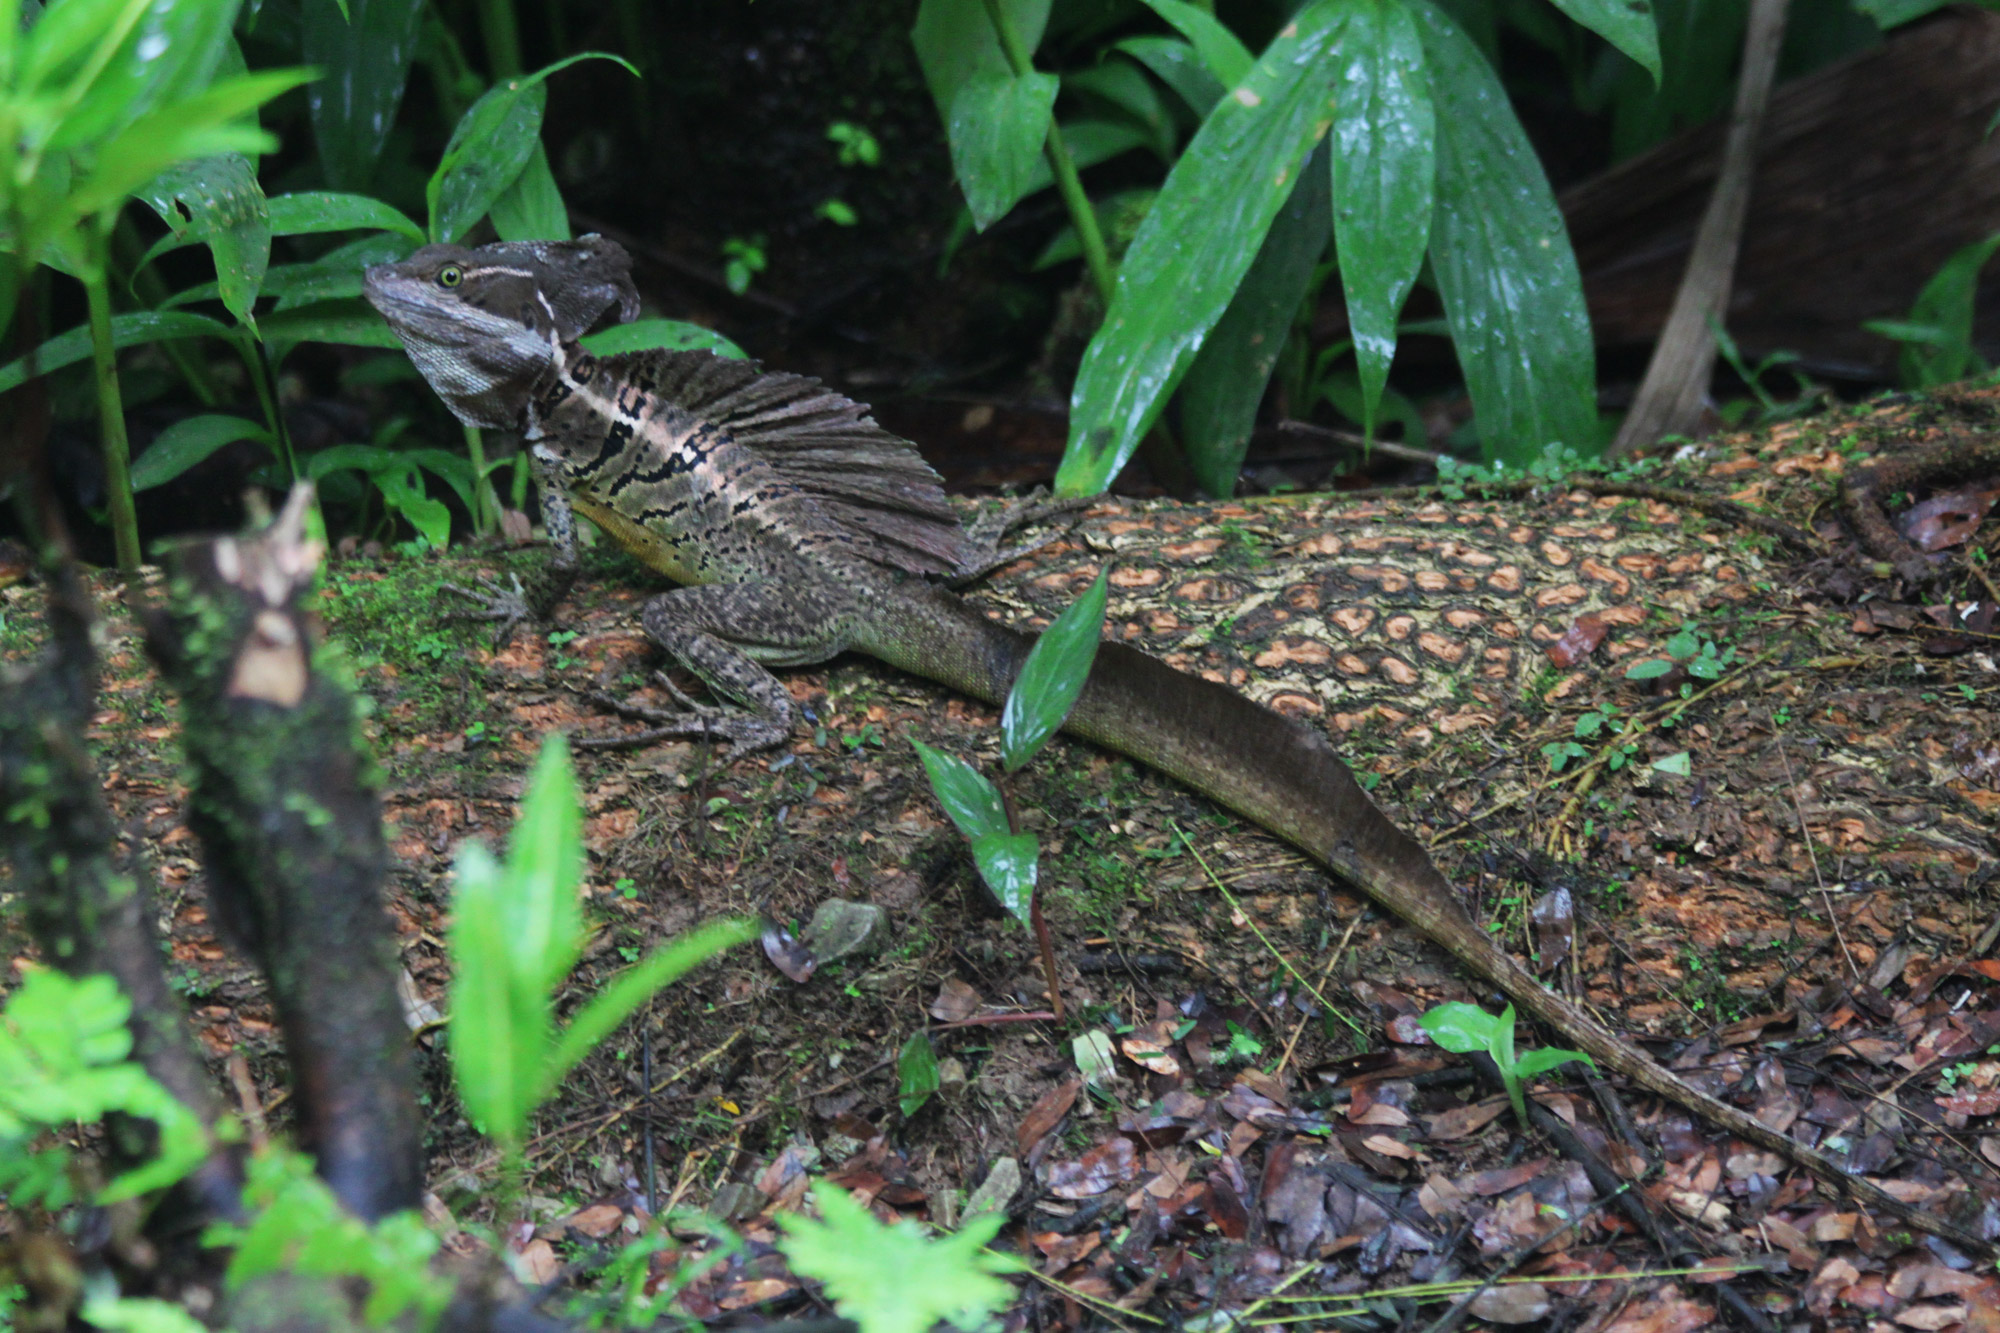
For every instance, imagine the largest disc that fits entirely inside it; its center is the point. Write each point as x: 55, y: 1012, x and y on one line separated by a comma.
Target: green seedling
x: 1466, y: 1028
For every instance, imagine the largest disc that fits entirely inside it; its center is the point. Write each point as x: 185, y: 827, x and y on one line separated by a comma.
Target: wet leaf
x: 1384, y: 173
x: 1196, y: 244
x: 1053, y: 676
x: 186, y: 443
x: 1579, y: 641
x: 1504, y: 266
x: 1947, y: 520
x: 364, y: 61
x: 217, y: 201
x: 967, y: 797
x: 1626, y: 24
x: 916, y: 1074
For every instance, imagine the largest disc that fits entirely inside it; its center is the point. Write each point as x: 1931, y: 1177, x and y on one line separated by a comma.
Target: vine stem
x: 1081, y: 215
x: 111, y: 405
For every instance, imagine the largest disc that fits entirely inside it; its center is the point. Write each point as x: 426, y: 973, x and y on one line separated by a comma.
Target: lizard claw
x: 747, y: 733
x: 508, y: 606
x: 983, y: 534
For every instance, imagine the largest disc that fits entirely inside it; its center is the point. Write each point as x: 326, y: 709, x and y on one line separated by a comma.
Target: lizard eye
x: 450, y: 275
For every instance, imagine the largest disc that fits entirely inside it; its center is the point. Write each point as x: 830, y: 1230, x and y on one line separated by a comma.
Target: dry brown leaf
x: 1668, y: 1312
x: 955, y: 1002
x: 1930, y: 1317
x: 1107, y: 1164
x: 536, y: 1263
x: 597, y: 1221
x: 1389, y: 1147
x: 1461, y: 1121
x: 1512, y: 1303
x: 1046, y: 1114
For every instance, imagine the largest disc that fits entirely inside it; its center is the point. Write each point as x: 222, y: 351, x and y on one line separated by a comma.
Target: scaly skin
x: 734, y: 484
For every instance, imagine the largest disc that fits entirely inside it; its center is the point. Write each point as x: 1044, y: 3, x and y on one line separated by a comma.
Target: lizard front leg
x: 547, y: 585
x: 727, y: 635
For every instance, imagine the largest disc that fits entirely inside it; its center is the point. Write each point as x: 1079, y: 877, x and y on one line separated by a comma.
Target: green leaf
x: 1547, y: 1058
x: 545, y: 866
x: 402, y: 490
x: 532, y: 207
x: 917, y: 1074
x: 169, y: 53
x: 350, y: 458
x: 1122, y: 86
x: 500, y: 1032
x: 644, y: 335
x: 351, y: 322
x: 129, y: 1314
x: 1650, y: 669
x: 630, y: 989
x: 1894, y: 13
x: 998, y: 125
x: 491, y: 144
x: 967, y: 797
x: 1053, y: 676
x: 1943, y: 315
x: 1176, y: 64
x: 1674, y: 765
x: 955, y: 43
x: 1626, y: 24
x: 186, y: 443
x: 1226, y: 56
x: 335, y: 275
x: 1007, y: 862
x: 216, y: 200
x: 66, y: 349
x: 891, y: 1279
x: 1196, y: 244
x: 1220, y: 396
x: 1462, y: 1028
x: 312, y: 211
x: 1089, y: 142
x: 1384, y: 171
x: 1503, y: 263
x: 364, y: 56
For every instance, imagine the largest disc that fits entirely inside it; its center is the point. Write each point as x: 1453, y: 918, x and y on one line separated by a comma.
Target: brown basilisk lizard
x: 801, y: 530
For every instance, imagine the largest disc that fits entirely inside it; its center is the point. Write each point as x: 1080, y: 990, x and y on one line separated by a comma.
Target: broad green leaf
x: 1123, y: 88
x: 1503, y: 263
x: 1677, y: 765
x: 1220, y: 396
x: 1894, y: 13
x: 364, y: 57
x: 531, y: 209
x: 402, y: 490
x: 1006, y: 862
x: 1089, y: 142
x: 1626, y: 24
x: 490, y: 145
x: 1196, y: 244
x: 644, y: 335
x: 917, y: 1075
x: 353, y: 323
x: 334, y: 275
x: 1176, y: 64
x: 216, y: 200
x: 1384, y: 168
x: 169, y: 53
x: 1220, y: 49
x: 545, y: 867
x: 66, y: 349
x: 998, y: 125
x: 204, y: 125
x: 454, y: 470
x: 350, y: 458
x: 970, y: 800
x: 1944, y: 311
x: 1053, y: 676
x: 488, y: 149
x: 186, y: 443
x: 893, y: 1279
x: 630, y: 989
x: 311, y: 211
x: 955, y: 42
x: 1462, y: 1028
x: 499, y: 1030
x: 1118, y: 218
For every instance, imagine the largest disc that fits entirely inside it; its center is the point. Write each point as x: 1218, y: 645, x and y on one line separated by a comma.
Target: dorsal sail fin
x: 872, y: 484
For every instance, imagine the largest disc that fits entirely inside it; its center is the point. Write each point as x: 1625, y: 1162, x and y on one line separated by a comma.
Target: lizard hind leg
x: 725, y: 634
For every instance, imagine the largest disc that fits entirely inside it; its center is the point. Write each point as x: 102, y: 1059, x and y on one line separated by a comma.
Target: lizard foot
x: 746, y: 733
x: 508, y: 606
x: 983, y: 534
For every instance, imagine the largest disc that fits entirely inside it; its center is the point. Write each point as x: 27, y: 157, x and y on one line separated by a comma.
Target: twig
x: 1805, y: 834
x: 1672, y: 394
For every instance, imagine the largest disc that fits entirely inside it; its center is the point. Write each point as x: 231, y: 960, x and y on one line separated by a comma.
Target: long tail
x: 1287, y: 778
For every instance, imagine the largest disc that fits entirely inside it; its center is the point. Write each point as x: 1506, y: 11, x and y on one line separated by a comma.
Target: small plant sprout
x: 1042, y: 696
x: 1466, y: 1029
x: 894, y: 1279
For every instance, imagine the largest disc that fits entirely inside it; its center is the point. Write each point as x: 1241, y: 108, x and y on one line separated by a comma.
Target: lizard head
x: 486, y: 325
